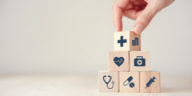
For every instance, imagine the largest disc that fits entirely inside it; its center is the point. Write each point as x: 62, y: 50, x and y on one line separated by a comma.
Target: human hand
x: 142, y: 11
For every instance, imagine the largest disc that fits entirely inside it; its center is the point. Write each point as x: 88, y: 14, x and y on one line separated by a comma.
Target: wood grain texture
x: 112, y: 86
x: 128, y: 85
x: 129, y: 36
x: 146, y: 86
x: 134, y: 55
x: 132, y: 37
x: 117, y: 36
x: 113, y: 66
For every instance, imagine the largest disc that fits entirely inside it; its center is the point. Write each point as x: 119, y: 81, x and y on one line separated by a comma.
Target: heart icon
x: 118, y: 61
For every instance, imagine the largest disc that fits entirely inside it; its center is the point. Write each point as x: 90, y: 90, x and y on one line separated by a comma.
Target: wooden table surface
x: 72, y: 85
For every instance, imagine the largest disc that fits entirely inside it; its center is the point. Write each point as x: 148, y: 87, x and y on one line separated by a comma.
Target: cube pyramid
x: 129, y: 67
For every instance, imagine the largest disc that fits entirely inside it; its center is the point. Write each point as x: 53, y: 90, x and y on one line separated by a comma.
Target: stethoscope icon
x: 107, y: 82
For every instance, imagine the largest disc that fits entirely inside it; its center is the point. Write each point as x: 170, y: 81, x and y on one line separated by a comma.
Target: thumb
x: 143, y: 19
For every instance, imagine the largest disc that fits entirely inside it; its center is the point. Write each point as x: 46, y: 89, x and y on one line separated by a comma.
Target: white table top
x: 62, y: 85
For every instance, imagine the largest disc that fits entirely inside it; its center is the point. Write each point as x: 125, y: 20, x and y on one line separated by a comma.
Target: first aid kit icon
x: 139, y: 61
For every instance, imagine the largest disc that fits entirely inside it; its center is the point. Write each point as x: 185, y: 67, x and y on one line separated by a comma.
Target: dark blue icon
x: 128, y: 81
x: 109, y: 80
x: 150, y: 82
x: 139, y: 61
x: 118, y: 61
x: 135, y: 42
x: 121, y: 41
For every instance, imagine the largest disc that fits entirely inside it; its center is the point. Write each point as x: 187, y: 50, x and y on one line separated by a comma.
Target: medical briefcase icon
x: 139, y: 61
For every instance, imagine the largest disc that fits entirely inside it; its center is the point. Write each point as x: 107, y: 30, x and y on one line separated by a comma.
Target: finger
x: 117, y: 17
x: 118, y: 9
x: 138, y: 2
x: 133, y: 10
x: 129, y: 6
x: 130, y: 14
x: 143, y: 19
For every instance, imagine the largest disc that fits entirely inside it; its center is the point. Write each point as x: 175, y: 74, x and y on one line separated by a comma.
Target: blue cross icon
x: 121, y: 41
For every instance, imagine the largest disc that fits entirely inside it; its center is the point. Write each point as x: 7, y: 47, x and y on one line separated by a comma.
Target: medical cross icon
x: 121, y: 41
x: 139, y: 62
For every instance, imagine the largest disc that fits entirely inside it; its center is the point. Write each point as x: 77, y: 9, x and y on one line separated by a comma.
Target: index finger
x: 118, y: 7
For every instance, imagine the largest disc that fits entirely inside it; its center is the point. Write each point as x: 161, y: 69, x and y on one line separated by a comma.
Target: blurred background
x: 75, y: 36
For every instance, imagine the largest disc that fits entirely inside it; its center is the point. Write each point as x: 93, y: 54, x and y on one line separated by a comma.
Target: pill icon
x: 128, y: 81
x: 131, y: 85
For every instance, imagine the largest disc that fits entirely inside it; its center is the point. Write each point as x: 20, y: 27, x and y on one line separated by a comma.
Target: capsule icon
x: 128, y: 81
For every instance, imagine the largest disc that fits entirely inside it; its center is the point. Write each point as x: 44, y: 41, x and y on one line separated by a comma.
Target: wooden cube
x: 127, y: 40
x: 150, y: 82
x: 108, y: 81
x: 129, y: 82
x: 139, y: 61
x: 119, y: 61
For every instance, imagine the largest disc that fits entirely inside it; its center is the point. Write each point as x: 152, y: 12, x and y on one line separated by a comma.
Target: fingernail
x: 138, y: 28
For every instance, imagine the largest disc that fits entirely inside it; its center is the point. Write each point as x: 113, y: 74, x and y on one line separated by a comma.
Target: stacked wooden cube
x: 129, y: 68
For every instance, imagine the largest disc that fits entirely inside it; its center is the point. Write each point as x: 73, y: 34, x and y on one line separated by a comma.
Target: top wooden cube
x: 127, y: 40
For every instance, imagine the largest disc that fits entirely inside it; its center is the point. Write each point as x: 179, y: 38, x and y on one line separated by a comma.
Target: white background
x: 75, y: 36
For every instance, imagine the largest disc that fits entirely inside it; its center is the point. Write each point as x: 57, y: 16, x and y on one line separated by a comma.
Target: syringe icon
x: 150, y: 82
